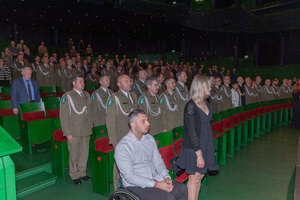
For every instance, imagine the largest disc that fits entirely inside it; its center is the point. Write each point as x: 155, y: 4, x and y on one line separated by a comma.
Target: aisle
x: 261, y: 171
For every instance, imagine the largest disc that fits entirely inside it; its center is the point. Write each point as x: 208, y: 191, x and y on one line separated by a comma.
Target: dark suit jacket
x: 86, y: 71
x: 18, y: 92
x: 243, y: 97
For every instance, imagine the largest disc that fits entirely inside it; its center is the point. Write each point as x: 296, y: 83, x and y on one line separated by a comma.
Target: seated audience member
x: 24, y: 90
x: 142, y: 169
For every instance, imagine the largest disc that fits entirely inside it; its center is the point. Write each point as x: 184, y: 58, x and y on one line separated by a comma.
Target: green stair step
x: 29, y: 172
x: 34, y: 183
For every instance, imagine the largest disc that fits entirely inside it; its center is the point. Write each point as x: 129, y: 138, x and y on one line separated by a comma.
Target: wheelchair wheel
x: 122, y: 194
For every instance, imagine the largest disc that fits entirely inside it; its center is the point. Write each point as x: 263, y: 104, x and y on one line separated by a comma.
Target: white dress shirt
x: 139, y: 161
x: 236, y: 98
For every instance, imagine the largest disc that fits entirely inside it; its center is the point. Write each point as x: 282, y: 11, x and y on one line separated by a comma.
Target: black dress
x: 204, y: 135
x: 296, y: 110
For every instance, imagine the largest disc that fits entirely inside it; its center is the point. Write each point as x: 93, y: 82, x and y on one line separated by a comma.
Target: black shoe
x: 77, y: 181
x: 86, y: 178
x: 213, y: 173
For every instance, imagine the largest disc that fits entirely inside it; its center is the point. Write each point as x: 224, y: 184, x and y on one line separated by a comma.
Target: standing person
x: 296, y: 107
x: 216, y: 96
x: 182, y: 92
x: 258, y: 88
x: 139, y: 87
x: 24, y: 90
x: 76, y: 124
x: 170, y: 105
x: 226, y: 93
x: 240, y: 81
x: 275, y: 89
x: 5, y: 78
x: 42, y: 50
x: 267, y: 93
x: 197, y: 151
x: 236, y: 94
x: 99, y: 100
x: 250, y: 91
x: 142, y: 169
x: 7, y: 57
x: 18, y: 65
x: 45, y: 74
x: 119, y: 105
x: 284, y: 89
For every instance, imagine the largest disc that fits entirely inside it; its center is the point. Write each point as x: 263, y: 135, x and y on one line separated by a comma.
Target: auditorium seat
x: 48, y: 92
x: 36, y: 128
x: 90, y: 89
x: 177, y: 138
x: 5, y: 93
x: 102, y: 158
x: 8, y: 120
x: 52, y: 107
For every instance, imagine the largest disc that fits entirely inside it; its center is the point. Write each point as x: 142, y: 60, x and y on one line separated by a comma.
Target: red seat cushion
x: 102, y: 145
x: 227, y: 123
x: 33, y: 116
x: 167, y: 153
x: 6, y: 112
x: 58, y: 136
x: 5, y: 97
x: 177, y: 145
x: 53, y: 113
x: 182, y: 178
x: 48, y: 94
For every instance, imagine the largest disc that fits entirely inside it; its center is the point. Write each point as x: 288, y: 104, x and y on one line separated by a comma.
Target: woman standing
x: 198, y: 151
x: 236, y: 94
x: 296, y: 107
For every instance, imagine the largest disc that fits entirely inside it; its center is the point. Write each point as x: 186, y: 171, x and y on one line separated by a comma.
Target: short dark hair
x: 179, y: 73
x: 150, y: 80
x: 133, y: 114
x: 74, y: 78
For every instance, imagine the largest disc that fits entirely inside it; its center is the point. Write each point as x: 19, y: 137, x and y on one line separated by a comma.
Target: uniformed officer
x: 99, y: 100
x: 284, y: 89
x: 182, y: 92
x: 45, y: 74
x: 67, y: 76
x: 19, y: 64
x: 161, y: 86
x: 76, y: 123
x: 250, y: 92
x: 150, y: 102
x: 240, y: 81
x: 169, y: 106
x: 216, y: 96
x: 139, y: 87
x: 226, y: 94
x: 108, y: 71
x: 276, y: 89
x: 258, y: 88
x: 58, y: 73
x: 92, y: 78
x: 7, y: 57
x: 119, y: 105
x: 291, y: 88
x: 35, y: 65
x: 267, y: 93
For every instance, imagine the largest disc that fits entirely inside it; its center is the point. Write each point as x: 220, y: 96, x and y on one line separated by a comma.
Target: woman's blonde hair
x: 199, y: 88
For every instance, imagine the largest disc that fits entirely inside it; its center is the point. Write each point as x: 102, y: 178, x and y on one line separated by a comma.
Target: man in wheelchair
x: 141, y: 167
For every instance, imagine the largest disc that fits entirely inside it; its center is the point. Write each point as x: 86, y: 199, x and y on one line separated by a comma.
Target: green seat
x: 102, y: 161
x: 5, y: 93
x: 231, y: 130
x: 59, y: 91
x: 274, y: 111
x: 52, y: 107
x: 216, y: 117
x: 267, y: 109
x: 251, y: 125
x: 48, y: 92
x: 257, y: 119
x: 177, y: 138
x: 263, y: 117
x: 243, y: 138
x: 49, y: 99
x: 220, y: 139
x: 8, y: 120
x: 36, y: 128
x: 90, y: 88
x: 59, y: 150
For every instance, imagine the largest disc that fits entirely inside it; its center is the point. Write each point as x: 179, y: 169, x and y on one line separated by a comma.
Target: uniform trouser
x: 78, y: 156
x: 179, y: 192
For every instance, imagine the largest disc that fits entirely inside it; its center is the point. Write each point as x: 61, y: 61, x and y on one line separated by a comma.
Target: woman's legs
x: 194, y: 185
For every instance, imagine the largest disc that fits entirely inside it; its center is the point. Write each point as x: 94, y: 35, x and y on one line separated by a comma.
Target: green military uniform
x: 118, y: 108
x: 251, y: 94
x: 8, y: 59
x: 66, y: 79
x: 276, y: 91
x: 92, y: 79
x: 267, y: 93
x: 112, y: 76
x: 169, y: 109
x: 151, y: 104
x: 76, y: 121
x: 216, y: 100
x: 258, y: 88
x: 184, y: 96
x: 284, y: 91
x: 17, y: 68
x: 226, y: 95
x: 291, y: 90
x: 58, y: 76
x: 99, y: 100
x: 139, y: 88
x: 34, y: 67
x: 161, y: 88
x: 45, y: 75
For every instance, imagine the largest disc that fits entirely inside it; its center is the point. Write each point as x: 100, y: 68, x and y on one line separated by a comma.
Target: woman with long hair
x: 296, y: 107
x: 197, y: 151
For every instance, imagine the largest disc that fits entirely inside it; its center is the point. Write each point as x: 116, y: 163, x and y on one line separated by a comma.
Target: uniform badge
x: 142, y: 101
x: 110, y: 102
x: 221, y: 89
x: 63, y: 100
x: 134, y: 87
x: 93, y: 97
x: 161, y: 100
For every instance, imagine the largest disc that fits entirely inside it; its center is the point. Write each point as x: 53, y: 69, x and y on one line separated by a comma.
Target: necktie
x: 29, y: 90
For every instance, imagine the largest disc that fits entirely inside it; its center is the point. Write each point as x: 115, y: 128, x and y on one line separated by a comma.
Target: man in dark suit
x: 240, y: 81
x: 86, y: 69
x: 24, y: 90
